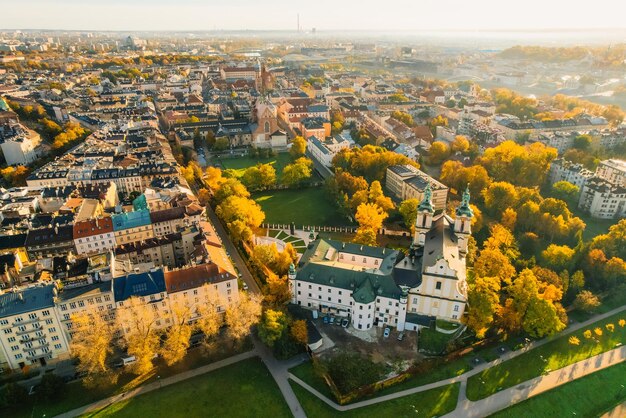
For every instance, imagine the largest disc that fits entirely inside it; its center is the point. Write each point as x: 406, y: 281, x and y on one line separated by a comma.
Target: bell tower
x: 463, y: 221
x: 424, y: 220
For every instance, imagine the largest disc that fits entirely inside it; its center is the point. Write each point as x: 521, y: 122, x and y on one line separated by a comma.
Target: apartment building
x: 407, y: 182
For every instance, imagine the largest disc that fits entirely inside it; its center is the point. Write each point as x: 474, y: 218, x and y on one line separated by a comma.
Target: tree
x: 438, y: 153
x: 204, y: 196
x: 460, y: 144
x: 240, y: 208
x: 241, y: 316
x: 484, y: 303
x: 370, y: 218
x: 297, y: 172
x: 276, y: 290
x: 582, y: 142
x: 437, y: 121
x: 298, y: 147
x: 565, y: 190
x: 509, y: 218
x: 209, y: 139
x: 370, y: 162
x: 586, y: 301
x: 230, y: 187
x: 259, y: 177
x: 177, y: 337
x: 558, y: 257
x: 408, y: 210
x: 491, y: 262
x: 15, y: 394
x: 377, y: 197
x: 521, y: 165
x: 272, y: 326
x: 211, y: 318
x: 403, y: 117
x: 139, y: 324
x: 92, y: 345
x: 50, y: 387
x: 221, y: 144
x: 299, y: 332
x: 499, y: 196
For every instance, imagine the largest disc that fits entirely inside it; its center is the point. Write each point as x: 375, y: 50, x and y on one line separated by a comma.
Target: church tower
x: 463, y: 221
x: 424, y: 220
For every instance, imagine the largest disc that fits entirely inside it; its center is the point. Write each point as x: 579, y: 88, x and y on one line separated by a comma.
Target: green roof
x: 320, y: 265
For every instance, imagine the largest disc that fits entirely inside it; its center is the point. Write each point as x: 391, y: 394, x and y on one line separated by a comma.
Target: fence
x: 339, y: 229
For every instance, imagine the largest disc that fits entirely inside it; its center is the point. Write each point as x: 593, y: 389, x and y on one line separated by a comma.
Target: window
x: 456, y: 308
x: 8, y: 331
x: 48, y: 321
x: 438, y: 286
x: 15, y: 347
x: 4, y: 322
x: 55, y: 338
x: 18, y: 356
x: 72, y: 305
x: 58, y: 346
x: 33, y: 315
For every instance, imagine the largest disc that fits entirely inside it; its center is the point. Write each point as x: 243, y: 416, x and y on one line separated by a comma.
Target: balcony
x: 27, y: 349
x: 28, y: 321
x: 28, y: 331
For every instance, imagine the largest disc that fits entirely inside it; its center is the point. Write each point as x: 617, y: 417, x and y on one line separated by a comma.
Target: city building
x: 407, y: 182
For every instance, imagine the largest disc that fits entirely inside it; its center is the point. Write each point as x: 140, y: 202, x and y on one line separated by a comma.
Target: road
x: 246, y: 276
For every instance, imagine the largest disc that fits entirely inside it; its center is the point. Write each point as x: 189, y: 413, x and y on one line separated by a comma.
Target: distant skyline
x: 324, y: 15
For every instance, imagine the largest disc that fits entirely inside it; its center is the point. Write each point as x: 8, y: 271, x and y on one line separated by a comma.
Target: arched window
x: 267, y: 127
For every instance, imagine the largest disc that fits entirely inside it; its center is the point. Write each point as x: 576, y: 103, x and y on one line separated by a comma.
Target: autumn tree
x: 558, y: 257
x: 484, y: 302
x: 586, y: 301
x: 138, y: 321
x: 370, y: 218
x: 241, y: 215
x: 297, y: 172
x: 522, y: 165
x: 299, y: 332
x: 509, y: 218
x: 242, y: 315
x: 210, y: 317
x: 460, y: 144
x: 491, y: 262
x: 499, y: 196
x: 178, y: 334
x: 438, y: 152
x: 272, y: 326
x: 92, y: 345
x: 298, y: 147
x: 276, y: 290
x: 565, y: 190
x: 259, y: 177
x: 454, y: 174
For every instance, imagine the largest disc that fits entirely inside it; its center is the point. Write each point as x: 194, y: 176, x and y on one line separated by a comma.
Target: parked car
x: 245, y: 286
x: 326, y: 320
x: 345, y: 322
x: 338, y: 322
x: 387, y: 332
x: 332, y: 320
x: 401, y: 336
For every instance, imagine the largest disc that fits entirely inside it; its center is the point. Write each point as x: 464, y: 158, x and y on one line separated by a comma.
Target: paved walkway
x: 618, y: 412
x: 158, y: 384
x: 280, y: 373
x: 533, y: 387
x: 614, y: 357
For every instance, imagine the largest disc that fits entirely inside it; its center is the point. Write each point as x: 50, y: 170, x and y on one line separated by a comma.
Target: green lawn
x: 245, y: 389
x: 589, y: 396
x: 309, y: 206
x: 306, y: 372
x: 279, y: 161
x: 431, y: 403
x: 433, y: 341
x: 551, y: 356
x: 75, y: 394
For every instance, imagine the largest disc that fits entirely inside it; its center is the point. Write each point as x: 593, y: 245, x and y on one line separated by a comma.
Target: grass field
x: 74, y: 395
x: 245, y: 389
x: 239, y: 165
x: 551, y: 356
x: 309, y: 206
x: 589, y: 396
x: 434, y: 402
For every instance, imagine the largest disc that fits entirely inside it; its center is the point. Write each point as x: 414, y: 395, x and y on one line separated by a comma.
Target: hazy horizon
x: 324, y: 15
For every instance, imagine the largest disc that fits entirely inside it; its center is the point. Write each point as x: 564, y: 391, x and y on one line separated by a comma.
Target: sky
x: 398, y: 15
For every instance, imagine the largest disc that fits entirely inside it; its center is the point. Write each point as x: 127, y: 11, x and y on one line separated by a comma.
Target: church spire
x: 426, y: 204
x: 464, y: 208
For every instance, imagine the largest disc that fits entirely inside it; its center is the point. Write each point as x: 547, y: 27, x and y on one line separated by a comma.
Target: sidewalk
x: 462, y: 401
x: 533, y: 387
x: 158, y: 385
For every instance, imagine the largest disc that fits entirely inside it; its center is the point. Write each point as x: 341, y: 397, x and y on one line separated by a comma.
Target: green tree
x: 565, y: 190
x: 408, y: 210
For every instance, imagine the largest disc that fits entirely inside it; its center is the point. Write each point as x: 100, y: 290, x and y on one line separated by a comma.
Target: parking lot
x: 371, y: 342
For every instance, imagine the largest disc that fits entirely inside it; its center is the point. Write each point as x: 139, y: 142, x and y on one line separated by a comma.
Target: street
x: 246, y: 276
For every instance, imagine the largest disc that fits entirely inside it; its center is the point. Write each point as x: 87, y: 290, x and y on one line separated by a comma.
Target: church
x: 377, y: 287
x: 266, y: 132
